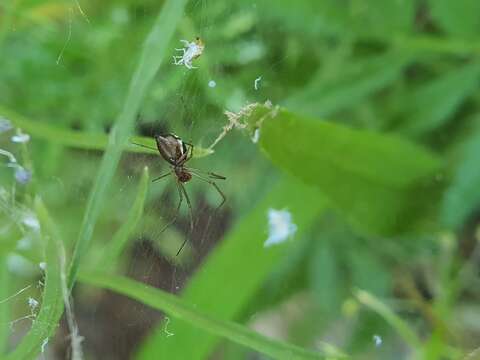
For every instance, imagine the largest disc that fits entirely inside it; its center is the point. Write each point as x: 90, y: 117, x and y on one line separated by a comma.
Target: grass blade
x: 432, y: 105
x: 175, y: 307
x: 52, y: 300
x: 115, y: 247
x: 153, y: 52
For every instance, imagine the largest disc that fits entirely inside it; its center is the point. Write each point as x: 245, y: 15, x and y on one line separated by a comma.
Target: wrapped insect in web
x: 190, y: 52
x: 177, y: 153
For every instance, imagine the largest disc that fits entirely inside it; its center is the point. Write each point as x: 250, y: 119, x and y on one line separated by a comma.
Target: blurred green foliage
x: 370, y: 140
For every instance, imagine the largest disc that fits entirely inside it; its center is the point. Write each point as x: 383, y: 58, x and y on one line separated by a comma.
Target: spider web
x: 187, y: 102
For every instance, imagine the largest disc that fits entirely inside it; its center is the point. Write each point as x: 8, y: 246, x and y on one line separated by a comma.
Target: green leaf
x: 153, y: 52
x: 432, y: 105
x: 235, y: 270
x: 347, y: 85
x: 179, y: 309
x: 462, y: 197
x: 4, y: 305
x: 51, y: 308
x: 458, y: 17
x: 82, y: 140
x: 382, y: 184
x: 113, y: 250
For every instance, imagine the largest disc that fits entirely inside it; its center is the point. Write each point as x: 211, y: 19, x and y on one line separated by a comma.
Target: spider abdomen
x: 183, y: 175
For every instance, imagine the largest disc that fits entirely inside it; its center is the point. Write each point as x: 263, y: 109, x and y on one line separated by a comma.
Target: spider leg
x: 211, y: 182
x: 182, y: 188
x: 176, y: 211
x: 162, y: 176
x: 207, y: 173
x: 144, y: 146
x: 185, y: 42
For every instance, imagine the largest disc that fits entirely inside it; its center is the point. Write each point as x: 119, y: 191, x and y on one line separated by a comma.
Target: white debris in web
x: 281, y: 227
x: 212, y: 83
x: 20, y: 137
x: 16, y: 294
x: 32, y: 304
x: 237, y: 120
x: 190, y: 52
x: 377, y: 340
x: 69, y: 36
x: 165, y: 329
x: 256, y: 84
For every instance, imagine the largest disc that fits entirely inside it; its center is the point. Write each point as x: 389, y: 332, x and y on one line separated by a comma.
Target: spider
x: 177, y: 152
x: 191, y: 51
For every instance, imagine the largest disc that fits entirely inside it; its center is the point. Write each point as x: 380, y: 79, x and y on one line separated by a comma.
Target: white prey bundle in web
x: 191, y: 51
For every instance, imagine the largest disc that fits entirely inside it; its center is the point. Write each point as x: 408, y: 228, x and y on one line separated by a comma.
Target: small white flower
x: 20, y: 137
x: 22, y: 175
x: 212, y: 83
x: 30, y: 220
x: 24, y: 243
x: 377, y: 340
x: 256, y: 135
x: 5, y: 125
x: 280, y: 225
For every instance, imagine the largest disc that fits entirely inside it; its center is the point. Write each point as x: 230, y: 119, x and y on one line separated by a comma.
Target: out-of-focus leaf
x: 325, y: 276
x: 367, y: 272
x: 238, y: 266
x: 463, y: 194
x: 433, y: 104
x: 401, y: 326
x: 350, y: 84
x: 381, y: 183
x: 192, y: 315
x: 459, y: 17
x: 52, y: 300
x: 372, y: 18
x: 82, y: 140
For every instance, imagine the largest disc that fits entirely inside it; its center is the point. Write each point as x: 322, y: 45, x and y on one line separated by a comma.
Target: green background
x: 368, y: 131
